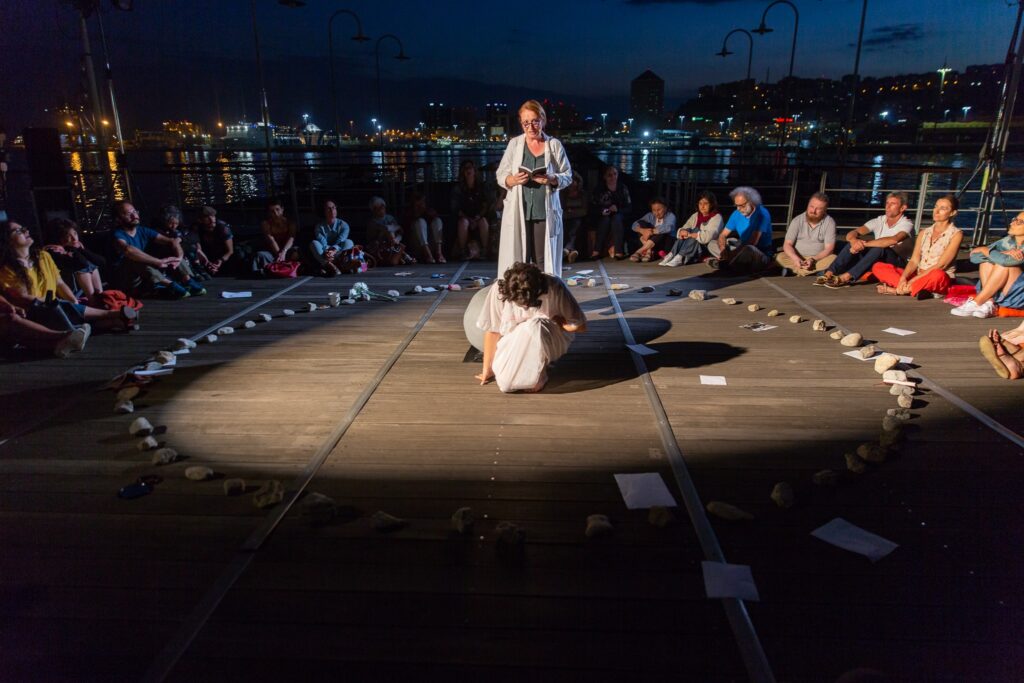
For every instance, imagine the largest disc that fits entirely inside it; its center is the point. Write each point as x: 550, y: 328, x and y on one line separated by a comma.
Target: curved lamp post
x: 750, y: 58
x: 402, y: 57
x: 763, y: 29
x: 359, y: 37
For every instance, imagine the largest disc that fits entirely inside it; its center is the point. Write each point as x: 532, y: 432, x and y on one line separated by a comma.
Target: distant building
x: 437, y: 116
x: 183, y: 133
x: 498, y: 119
x: 647, y: 100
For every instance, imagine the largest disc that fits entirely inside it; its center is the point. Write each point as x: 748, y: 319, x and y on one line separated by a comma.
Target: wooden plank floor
x: 95, y: 587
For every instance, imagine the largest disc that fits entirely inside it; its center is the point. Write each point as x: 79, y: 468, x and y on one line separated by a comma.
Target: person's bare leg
x: 886, y: 289
x: 1013, y: 366
x: 484, y: 228
x: 990, y: 286
x: 91, y: 286
x: 29, y: 333
x: 1016, y: 335
x: 103, y: 319
x: 425, y: 255
x: 461, y: 236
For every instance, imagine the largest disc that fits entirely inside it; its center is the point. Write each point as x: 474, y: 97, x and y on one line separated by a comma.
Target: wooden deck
x: 375, y: 406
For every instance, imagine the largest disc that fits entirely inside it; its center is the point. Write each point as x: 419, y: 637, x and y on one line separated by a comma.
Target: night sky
x: 189, y: 58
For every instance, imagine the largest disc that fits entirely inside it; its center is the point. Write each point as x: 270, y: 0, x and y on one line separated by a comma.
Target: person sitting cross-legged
x: 330, y: 240
x: 745, y: 243
x: 858, y: 255
x: 655, y: 229
x: 932, y: 266
x: 810, y: 239
x: 698, y: 238
x: 1000, y: 265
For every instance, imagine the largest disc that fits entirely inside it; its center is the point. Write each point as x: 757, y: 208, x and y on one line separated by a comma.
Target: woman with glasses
x: 533, y: 169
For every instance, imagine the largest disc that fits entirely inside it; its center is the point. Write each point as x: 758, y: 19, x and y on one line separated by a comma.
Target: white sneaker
x: 664, y: 261
x: 966, y: 309
x: 986, y: 310
x: 676, y: 261
x: 74, y: 342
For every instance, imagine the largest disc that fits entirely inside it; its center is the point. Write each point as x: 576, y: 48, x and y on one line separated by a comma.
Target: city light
x: 69, y: 124
x: 965, y: 110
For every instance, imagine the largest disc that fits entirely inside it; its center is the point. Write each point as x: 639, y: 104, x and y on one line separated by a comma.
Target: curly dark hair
x: 9, y: 258
x: 57, y: 228
x: 523, y: 284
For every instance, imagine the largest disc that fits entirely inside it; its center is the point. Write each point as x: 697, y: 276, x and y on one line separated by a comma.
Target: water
x: 196, y: 177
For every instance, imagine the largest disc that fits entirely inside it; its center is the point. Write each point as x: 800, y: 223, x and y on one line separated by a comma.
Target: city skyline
x: 193, y: 61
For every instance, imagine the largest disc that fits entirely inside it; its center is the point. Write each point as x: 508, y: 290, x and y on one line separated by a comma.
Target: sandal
x: 988, y: 349
x: 129, y: 318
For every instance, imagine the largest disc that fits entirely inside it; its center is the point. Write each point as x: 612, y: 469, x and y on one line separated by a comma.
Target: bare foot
x: 886, y: 289
x: 1013, y: 365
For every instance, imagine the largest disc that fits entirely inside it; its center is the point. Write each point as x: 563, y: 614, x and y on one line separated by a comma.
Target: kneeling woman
x: 529, y: 320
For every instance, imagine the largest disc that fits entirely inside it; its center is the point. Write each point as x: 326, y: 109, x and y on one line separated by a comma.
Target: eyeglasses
x: 534, y: 123
x: 742, y: 206
x: 1017, y: 220
x: 20, y: 230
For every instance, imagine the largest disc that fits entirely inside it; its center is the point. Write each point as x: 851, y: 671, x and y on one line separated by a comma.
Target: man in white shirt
x: 858, y: 255
x: 810, y: 239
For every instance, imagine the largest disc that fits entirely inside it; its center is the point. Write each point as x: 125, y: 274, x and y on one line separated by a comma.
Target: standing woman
x: 531, y: 222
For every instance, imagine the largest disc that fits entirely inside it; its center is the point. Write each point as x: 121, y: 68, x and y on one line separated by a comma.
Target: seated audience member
x: 79, y: 266
x: 216, y: 242
x: 473, y: 206
x: 278, y: 238
x: 1005, y: 352
x: 575, y: 203
x: 745, y: 243
x: 655, y: 228
x: 169, y: 224
x: 932, y: 266
x: 529, y: 320
x: 810, y: 239
x: 384, y: 236
x: 610, y: 204
x: 330, y: 240
x: 425, y: 228
x: 859, y: 255
x: 15, y: 328
x: 29, y: 280
x: 136, y: 268
x: 1000, y: 265
x: 698, y: 238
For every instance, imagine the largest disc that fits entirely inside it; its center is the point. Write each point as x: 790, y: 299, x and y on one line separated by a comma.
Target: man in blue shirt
x: 136, y: 268
x: 745, y: 242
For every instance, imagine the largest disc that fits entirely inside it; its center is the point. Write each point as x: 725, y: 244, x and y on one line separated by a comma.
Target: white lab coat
x: 512, y: 247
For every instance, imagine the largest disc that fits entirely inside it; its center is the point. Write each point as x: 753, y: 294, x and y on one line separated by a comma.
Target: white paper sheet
x: 641, y: 491
x: 723, y: 580
x: 898, y: 331
x: 235, y: 295
x: 588, y: 271
x: 758, y: 327
x: 404, y: 273
x: 428, y: 289
x: 842, y: 534
x: 152, y: 373
x: 641, y: 349
x: 713, y: 380
x: 856, y: 356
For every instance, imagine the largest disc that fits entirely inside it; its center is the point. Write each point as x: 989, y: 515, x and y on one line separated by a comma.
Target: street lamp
x: 264, y: 106
x: 763, y: 29
x: 630, y: 126
x: 945, y: 115
x: 359, y: 37
x: 965, y: 110
x: 750, y: 58
x: 883, y: 115
x: 401, y: 56
x: 604, y: 121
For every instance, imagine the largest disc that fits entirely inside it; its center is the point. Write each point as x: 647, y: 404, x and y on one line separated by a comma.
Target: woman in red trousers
x: 932, y: 267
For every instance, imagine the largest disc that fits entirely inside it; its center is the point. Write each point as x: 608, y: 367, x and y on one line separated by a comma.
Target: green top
x: 534, y: 193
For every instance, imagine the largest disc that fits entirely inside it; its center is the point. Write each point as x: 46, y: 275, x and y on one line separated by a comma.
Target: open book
x: 534, y: 172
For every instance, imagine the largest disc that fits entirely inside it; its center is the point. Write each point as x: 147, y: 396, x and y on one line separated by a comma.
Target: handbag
x: 55, y: 314
x: 282, y: 269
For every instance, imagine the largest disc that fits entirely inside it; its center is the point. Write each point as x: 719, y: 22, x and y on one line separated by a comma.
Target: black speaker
x: 45, y: 157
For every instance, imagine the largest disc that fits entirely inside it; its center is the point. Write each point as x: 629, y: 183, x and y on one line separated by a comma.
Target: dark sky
x: 184, y: 58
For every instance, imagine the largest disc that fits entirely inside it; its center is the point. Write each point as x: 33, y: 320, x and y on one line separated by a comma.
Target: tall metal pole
x: 109, y: 75
x: 856, y: 76
x: 94, y: 93
x: 761, y: 30
x: 264, y: 106
x: 359, y: 37
x: 400, y: 56
x: 750, y: 60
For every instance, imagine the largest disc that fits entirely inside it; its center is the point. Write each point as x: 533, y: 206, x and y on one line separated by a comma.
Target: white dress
x: 530, y: 339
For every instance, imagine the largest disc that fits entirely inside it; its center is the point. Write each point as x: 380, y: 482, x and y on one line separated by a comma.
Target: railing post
x: 792, y: 196
x: 922, y: 197
x: 295, y: 195
x: 824, y: 179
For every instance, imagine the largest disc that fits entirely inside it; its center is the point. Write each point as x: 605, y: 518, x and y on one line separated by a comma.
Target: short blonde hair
x: 534, y: 106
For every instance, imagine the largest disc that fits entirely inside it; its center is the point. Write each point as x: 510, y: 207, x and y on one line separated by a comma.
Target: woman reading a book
x: 533, y: 169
